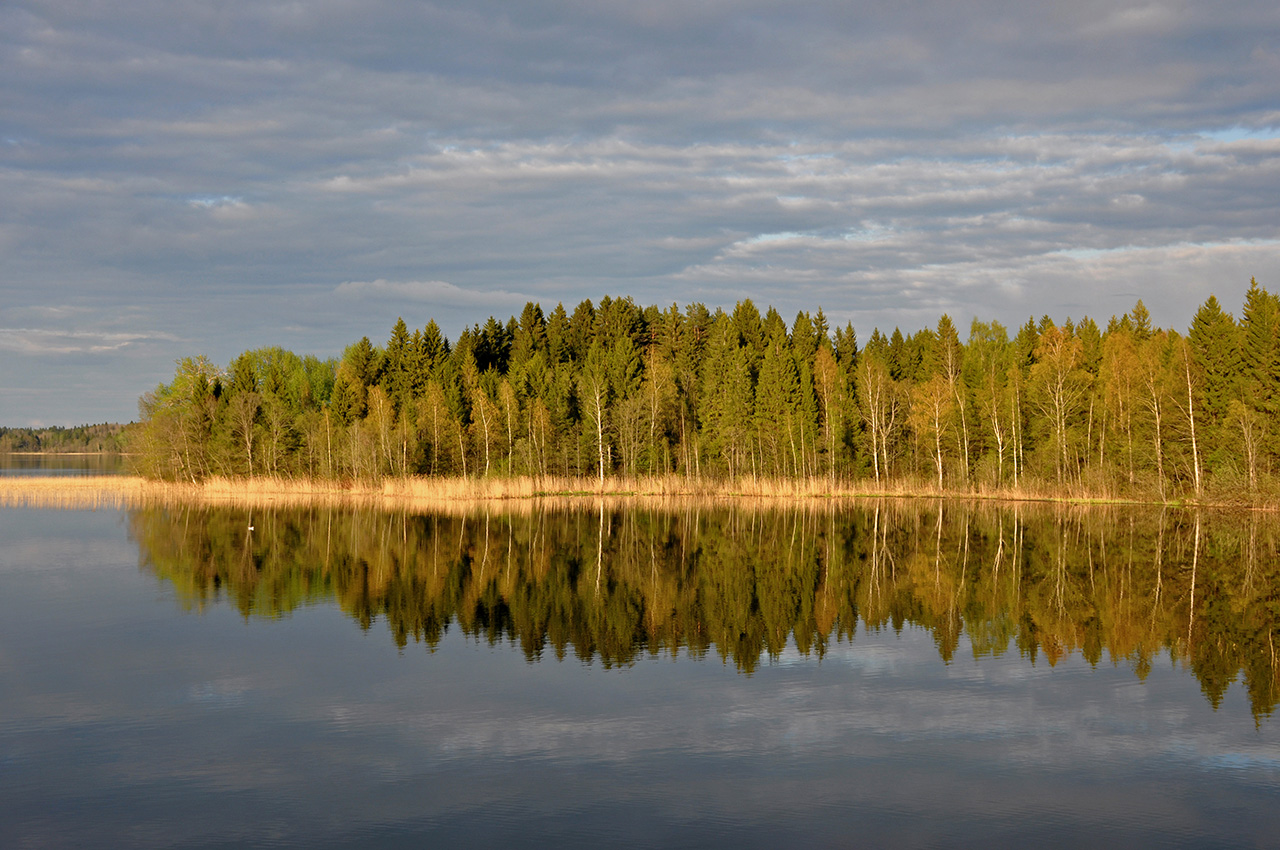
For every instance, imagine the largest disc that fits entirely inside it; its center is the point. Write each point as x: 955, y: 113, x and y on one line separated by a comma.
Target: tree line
x: 105, y: 438
x: 743, y: 583
x: 618, y: 389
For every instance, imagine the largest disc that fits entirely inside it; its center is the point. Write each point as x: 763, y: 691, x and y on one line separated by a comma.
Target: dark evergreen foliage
x: 615, y: 388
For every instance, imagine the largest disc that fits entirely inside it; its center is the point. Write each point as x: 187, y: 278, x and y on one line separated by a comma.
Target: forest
x: 1125, y: 410
x: 97, y: 439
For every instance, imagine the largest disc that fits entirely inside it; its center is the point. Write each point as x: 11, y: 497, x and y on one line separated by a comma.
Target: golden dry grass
x: 65, y: 491
x: 117, y: 490
x: 466, y: 493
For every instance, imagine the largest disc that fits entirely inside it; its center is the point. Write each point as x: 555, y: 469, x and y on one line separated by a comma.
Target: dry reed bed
x: 65, y: 491
x: 465, y: 494
x: 458, y: 493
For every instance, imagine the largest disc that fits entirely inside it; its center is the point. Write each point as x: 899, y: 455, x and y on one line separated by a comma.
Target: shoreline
x: 52, y: 453
x: 120, y: 491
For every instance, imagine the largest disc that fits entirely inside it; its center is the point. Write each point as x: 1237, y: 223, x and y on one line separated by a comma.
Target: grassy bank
x: 436, y: 493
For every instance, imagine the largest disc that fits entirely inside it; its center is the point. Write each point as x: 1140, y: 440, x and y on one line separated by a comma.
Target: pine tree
x: 726, y: 408
x: 531, y: 335
x: 949, y: 354
x: 832, y: 392
x: 365, y: 361
x: 1140, y: 319
x: 433, y: 349
x: 776, y: 406
x: 559, y: 347
x: 493, y: 346
x: 1260, y: 349
x: 1214, y: 341
x: 900, y: 368
x: 397, y: 373
x: 581, y: 330
x: 805, y: 338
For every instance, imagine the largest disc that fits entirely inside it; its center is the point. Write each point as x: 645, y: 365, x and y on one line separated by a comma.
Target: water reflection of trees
x: 610, y: 585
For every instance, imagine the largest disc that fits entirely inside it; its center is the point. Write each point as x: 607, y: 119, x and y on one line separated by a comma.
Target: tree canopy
x: 616, y: 389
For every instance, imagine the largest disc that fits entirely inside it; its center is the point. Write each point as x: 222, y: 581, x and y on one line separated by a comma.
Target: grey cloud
x: 437, y: 292
x: 225, y: 172
x: 44, y: 341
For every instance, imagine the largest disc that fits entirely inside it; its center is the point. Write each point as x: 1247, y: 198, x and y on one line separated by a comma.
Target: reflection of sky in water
x: 124, y: 719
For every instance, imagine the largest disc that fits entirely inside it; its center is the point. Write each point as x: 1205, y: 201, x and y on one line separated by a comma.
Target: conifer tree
x: 1140, y: 319
x: 900, y: 368
x: 776, y: 404
x: 1132, y: 407
x: 530, y: 336
x: 581, y: 330
x: 727, y: 400
x: 1260, y: 349
x: 832, y: 393
x: 558, y: 336
x: 1090, y: 362
x: 397, y: 373
x: 1215, y: 344
x: 950, y: 358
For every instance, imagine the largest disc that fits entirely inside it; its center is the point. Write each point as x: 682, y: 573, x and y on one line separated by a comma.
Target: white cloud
x: 885, y: 163
x: 434, y: 291
x: 39, y: 341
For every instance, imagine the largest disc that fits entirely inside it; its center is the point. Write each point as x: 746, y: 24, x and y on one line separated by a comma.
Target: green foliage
x: 616, y: 388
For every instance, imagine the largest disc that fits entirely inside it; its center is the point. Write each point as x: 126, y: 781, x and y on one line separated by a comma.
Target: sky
x: 181, y: 177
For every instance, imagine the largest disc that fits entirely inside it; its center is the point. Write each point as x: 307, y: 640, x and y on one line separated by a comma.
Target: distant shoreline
x: 63, y: 454
x: 111, y: 491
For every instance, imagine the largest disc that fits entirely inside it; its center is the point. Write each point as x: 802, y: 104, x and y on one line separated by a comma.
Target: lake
x: 46, y: 464
x: 736, y: 675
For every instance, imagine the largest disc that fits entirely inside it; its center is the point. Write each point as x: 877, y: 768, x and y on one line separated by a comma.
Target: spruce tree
x: 1260, y: 349
x: 1215, y: 352
x: 397, y: 373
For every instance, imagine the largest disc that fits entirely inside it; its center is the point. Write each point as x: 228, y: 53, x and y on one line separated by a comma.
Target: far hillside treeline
x: 618, y: 389
x: 107, y: 438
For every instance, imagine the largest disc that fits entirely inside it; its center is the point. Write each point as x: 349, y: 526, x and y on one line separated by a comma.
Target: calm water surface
x: 63, y: 464
x: 691, y: 677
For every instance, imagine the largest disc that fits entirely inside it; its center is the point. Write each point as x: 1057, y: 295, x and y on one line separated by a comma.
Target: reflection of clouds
x: 220, y: 693
x: 1244, y: 761
x: 865, y: 653
x: 239, y: 715
x: 55, y: 555
x: 1066, y: 718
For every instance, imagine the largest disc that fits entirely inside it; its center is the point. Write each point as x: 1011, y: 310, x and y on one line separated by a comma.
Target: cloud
x: 433, y: 291
x: 38, y: 341
x: 260, y: 165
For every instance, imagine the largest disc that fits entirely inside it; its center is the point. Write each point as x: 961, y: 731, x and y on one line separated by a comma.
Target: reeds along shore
x: 459, y: 494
